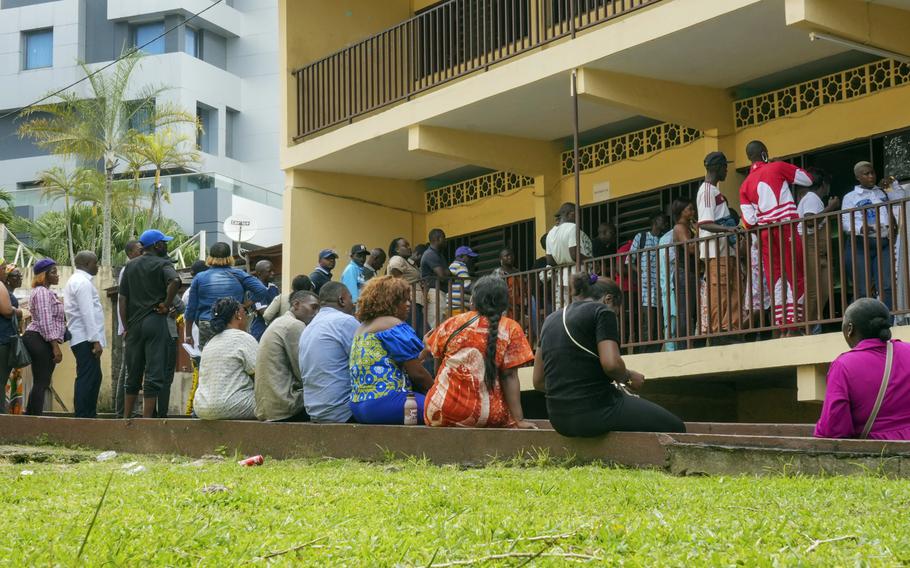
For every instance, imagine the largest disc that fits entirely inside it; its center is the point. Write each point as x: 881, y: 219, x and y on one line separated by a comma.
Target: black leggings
x: 626, y: 414
x: 42, y: 370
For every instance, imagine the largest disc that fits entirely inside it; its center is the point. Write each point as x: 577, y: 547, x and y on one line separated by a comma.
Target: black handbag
x: 18, y: 356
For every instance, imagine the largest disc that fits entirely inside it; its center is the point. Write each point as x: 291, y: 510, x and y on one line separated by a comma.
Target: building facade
x: 407, y: 115
x: 222, y: 65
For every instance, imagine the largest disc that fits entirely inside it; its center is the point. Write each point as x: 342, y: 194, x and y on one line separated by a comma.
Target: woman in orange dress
x: 478, y: 354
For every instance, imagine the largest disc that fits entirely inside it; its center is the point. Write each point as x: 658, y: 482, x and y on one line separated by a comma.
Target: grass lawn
x: 409, y: 513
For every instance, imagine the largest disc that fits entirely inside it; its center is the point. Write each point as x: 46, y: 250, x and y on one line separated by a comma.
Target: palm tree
x: 165, y: 149
x: 101, y: 126
x: 134, y: 164
x: 57, y: 183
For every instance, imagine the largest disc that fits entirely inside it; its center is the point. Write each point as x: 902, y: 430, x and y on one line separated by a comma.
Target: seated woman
x: 385, y: 355
x: 578, y: 361
x: 856, y: 378
x: 478, y: 354
x: 225, y: 390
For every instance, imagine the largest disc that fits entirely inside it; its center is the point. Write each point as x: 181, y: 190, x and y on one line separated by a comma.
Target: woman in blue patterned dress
x: 386, y: 355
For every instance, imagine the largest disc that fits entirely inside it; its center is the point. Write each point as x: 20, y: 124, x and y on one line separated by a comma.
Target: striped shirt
x: 460, y: 289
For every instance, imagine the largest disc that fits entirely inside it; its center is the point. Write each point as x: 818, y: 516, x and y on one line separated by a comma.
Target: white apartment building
x: 222, y: 64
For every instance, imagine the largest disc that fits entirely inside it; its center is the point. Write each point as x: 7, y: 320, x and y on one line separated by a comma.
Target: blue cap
x: 43, y: 265
x: 152, y: 236
x: 464, y: 250
x: 327, y: 253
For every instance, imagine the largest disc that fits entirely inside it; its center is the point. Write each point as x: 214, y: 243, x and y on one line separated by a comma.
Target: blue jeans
x: 879, y: 250
x: 388, y: 409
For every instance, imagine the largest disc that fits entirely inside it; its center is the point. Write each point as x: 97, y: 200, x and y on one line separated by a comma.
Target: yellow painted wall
x: 830, y: 124
x: 483, y: 214
x: 337, y: 211
x: 417, y: 5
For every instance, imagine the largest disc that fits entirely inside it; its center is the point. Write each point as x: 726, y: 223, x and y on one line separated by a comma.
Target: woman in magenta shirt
x: 855, y: 377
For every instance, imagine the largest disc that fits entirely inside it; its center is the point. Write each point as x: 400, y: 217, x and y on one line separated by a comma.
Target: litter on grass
x: 135, y: 470
x: 214, y: 488
x: 105, y: 456
x: 129, y: 465
x: 27, y: 472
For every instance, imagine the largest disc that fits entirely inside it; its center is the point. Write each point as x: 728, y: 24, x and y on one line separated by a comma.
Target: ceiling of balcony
x: 739, y: 47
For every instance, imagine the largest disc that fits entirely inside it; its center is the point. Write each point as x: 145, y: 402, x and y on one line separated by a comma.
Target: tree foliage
x: 102, y: 126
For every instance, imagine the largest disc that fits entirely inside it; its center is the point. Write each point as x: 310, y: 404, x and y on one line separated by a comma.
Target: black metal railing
x: 675, y: 299
x: 449, y: 41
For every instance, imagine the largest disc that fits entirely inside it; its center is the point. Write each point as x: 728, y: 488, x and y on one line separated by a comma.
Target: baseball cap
x: 715, y: 159
x: 327, y: 253
x: 359, y: 249
x: 464, y: 250
x: 152, y: 236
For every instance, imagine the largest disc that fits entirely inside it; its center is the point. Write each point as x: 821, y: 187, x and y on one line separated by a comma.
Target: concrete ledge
x: 709, y: 448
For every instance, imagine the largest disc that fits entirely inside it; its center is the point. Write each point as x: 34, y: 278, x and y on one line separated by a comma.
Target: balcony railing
x: 450, y: 41
x: 671, y: 293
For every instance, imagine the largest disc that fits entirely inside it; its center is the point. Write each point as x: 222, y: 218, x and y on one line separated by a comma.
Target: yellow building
x: 405, y: 115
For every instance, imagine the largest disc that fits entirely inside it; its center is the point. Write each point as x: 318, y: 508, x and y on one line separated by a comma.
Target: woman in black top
x: 578, y: 360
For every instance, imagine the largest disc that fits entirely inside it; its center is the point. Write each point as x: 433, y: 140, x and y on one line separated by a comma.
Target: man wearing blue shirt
x: 264, y: 273
x: 353, y: 276
x: 324, y: 351
x: 222, y: 280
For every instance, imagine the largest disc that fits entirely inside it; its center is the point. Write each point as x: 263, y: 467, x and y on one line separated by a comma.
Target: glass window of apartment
x: 38, y: 46
x: 144, y: 33
x: 139, y: 117
x: 193, y: 42
x: 230, y: 132
x: 207, y: 137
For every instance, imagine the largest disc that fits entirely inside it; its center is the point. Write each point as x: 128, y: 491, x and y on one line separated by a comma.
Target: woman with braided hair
x: 225, y: 390
x: 478, y: 354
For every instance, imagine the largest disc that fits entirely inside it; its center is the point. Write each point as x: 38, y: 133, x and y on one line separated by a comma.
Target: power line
x: 126, y: 54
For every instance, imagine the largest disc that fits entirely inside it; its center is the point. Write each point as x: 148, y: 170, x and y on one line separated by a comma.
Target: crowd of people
x: 708, y: 271
x: 409, y: 329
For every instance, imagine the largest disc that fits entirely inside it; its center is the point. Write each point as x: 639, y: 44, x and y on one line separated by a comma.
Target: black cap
x: 359, y: 249
x: 715, y: 159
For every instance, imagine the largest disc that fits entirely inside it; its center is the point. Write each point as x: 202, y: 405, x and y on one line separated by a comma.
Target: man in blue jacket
x: 221, y: 280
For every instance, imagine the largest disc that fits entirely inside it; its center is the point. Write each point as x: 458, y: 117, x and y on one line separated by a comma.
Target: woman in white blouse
x: 225, y: 390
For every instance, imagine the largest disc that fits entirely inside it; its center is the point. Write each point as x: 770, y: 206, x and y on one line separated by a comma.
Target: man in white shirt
x: 868, y: 228
x: 816, y: 236
x: 563, y: 249
x: 721, y: 268
x: 85, y: 321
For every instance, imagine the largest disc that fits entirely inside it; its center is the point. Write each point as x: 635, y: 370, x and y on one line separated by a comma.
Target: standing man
x: 766, y: 197
x: 646, y: 266
x: 278, y: 386
x: 563, y: 250
x: 434, y: 271
x: 373, y: 264
x: 460, y: 289
x: 146, y: 298
x: 264, y: 273
x: 868, y: 228
x: 353, y: 276
x: 324, y: 352
x: 85, y: 321
x: 323, y: 271
x: 721, y: 268
x: 133, y: 249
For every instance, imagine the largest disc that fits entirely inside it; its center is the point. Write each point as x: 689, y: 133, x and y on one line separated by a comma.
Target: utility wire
x: 124, y: 55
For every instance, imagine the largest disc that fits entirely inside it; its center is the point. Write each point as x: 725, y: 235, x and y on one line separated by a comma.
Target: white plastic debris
x: 130, y: 465
x: 27, y: 472
x: 105, y: 456
x: 137, y: 469
x: 214, y: 488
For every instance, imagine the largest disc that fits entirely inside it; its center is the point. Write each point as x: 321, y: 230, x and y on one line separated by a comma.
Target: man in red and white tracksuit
x: 766, y: 198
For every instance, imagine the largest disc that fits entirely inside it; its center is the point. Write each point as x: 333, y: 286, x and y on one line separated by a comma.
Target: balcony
x: 445, y: 43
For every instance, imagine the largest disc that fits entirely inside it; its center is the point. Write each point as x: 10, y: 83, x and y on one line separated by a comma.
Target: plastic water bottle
x: 410, y: 410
